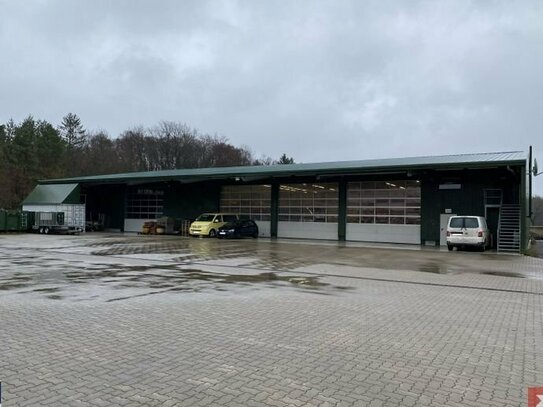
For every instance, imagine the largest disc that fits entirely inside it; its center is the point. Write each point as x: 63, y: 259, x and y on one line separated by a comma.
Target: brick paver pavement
x: 115, y: 321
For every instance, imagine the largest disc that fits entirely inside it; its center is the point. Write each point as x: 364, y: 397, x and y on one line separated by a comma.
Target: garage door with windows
x: 142, y: 205
x: 249, y: 201
x: 384, y: 211
x: 308, y: 211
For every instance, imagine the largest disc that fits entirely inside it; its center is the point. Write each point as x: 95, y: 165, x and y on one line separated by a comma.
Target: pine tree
x: 72, y: 131
x: 9, y: 129
x: 284, y: 159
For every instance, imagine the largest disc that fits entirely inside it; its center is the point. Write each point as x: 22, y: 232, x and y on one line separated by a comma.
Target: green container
x: 10, y: 221
x: 13, y: 221
x: 3, y: 216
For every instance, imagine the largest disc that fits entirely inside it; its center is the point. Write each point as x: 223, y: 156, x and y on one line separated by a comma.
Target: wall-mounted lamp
x: 535, y: 169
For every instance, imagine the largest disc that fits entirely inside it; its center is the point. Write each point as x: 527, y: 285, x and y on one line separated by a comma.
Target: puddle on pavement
x: 500, y: 257
x: 46, y: 290
x: 435, y: 268
x: 184, y: 251
x: 117, y: 278
x: 21, y: 277
x: 55, y: 297
x: 504, y: 274
x: 191, y: 280
x: 444, y: 269
x: 4, y: 286
x: 15, y: 281
x: 299, y: 281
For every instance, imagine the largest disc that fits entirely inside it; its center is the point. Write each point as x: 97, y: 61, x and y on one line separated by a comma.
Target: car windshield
x: 457, y: 223
x: 230, y: 218
x: 206, y: 217
x: 470, y: 223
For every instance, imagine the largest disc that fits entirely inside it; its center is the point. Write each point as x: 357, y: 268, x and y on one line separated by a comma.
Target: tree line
x: 35, y: 149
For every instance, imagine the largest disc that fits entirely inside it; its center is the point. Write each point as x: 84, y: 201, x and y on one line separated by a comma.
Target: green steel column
x: 530, y: 183
x: 342, y: 211
x: 522, y: 201
x: 122, y: 210
x: 274, y: 210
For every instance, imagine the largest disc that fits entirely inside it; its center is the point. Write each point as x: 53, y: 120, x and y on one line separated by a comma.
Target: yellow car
x: 207, y: 224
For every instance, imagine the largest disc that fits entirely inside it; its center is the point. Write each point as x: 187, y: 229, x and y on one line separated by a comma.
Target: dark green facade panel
x: 468, y: 200
x: 188, y: 201
x: 107, y: 201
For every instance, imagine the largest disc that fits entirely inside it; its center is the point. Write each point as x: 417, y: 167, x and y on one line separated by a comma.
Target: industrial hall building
x: 396, y: 200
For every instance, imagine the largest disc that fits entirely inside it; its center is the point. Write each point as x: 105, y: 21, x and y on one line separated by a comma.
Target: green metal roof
x: 478, y: 160
x: 53, y: 194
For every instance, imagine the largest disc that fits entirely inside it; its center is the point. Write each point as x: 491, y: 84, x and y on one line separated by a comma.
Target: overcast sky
x: 321, y: 81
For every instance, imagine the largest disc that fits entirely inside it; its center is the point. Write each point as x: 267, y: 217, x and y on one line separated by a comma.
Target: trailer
x: 45, y: 219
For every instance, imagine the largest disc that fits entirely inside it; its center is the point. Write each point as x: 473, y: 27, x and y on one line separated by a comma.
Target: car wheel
x: 450, y: 247
x: 212, y: 233
x: 255, y: 235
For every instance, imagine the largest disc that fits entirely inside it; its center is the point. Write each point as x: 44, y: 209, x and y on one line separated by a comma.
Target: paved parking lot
x: 113, y: 320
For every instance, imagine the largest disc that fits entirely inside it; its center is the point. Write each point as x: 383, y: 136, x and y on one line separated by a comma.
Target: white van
x: 468, y: 231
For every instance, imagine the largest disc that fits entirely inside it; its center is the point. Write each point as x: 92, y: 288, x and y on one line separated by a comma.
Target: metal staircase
x: 509, y: 229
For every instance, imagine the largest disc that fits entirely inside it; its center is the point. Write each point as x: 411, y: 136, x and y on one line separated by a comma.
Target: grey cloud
x: 320, y: 80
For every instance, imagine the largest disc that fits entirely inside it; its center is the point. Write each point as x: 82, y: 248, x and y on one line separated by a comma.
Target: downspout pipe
x: 530, y: 213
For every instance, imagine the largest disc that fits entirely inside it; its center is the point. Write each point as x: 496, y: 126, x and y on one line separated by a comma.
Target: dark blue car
x: 241, y: 228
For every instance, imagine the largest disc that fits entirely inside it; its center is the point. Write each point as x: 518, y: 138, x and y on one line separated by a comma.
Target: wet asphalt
x: 124, y: 320
x: 114, y: 267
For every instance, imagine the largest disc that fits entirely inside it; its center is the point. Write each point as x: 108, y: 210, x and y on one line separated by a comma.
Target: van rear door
x: 456, y: 226
x: 471, y: 226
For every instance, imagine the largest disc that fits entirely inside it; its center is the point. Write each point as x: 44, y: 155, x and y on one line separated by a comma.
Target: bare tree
x: 133, y: 150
